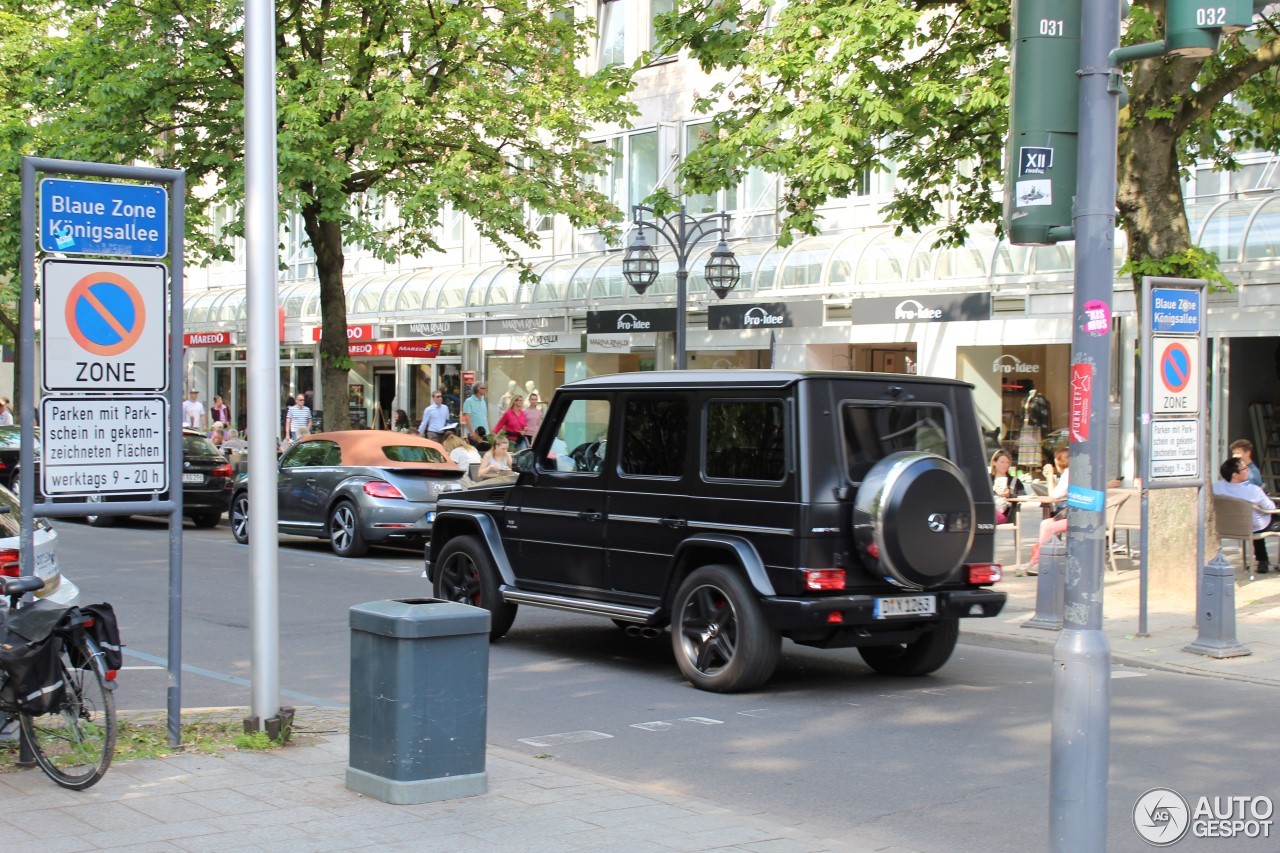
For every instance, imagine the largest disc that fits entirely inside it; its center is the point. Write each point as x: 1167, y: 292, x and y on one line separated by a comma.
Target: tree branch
x: 1199, y: 104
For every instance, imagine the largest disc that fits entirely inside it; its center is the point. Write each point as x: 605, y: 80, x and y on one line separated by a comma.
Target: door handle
x: 311, y: 481
x: 673, y: 522
x: 591, y: 516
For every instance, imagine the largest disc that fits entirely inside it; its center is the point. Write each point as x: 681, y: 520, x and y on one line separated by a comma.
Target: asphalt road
x: 955, y: 762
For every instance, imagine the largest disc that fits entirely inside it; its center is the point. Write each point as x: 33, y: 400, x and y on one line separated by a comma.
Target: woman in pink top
x: 532, y: 420
x: 513, y: 422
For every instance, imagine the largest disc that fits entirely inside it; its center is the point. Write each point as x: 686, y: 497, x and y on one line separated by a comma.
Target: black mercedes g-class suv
x: 739, y: 507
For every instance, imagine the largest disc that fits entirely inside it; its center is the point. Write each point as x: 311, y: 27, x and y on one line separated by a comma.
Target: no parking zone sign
x: 105, y: 326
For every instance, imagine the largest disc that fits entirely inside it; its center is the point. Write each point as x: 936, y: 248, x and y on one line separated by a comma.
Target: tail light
x: 9, y: 567
x: 983, y: 573
x: 381, y: 489
x: 221, y: 471
x: 821, y: 579
x: 110, y: 675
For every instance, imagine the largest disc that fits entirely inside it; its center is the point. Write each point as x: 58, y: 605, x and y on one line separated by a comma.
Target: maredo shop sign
x: 206, y: 339
x: 360, y: 344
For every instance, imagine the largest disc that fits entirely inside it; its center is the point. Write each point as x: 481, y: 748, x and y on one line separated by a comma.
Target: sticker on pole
x: 1175, y: 387
x: 104, y: 326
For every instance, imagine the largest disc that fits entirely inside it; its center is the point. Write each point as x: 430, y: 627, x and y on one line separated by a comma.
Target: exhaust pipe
x: 648, y: 632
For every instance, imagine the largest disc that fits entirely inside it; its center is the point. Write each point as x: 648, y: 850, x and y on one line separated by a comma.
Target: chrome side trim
x: 741, y: 528
x: 638, y: 519
x: 557, y: 513
x: 578, y: 605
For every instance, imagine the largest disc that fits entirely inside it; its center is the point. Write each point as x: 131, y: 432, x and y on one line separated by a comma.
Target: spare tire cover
x: 913, y: 519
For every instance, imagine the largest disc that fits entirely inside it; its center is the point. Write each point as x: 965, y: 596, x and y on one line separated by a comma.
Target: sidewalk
x: 1170, y: 628
x: 295, y: 799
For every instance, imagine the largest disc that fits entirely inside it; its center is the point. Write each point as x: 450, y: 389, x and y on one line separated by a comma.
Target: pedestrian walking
x: 434, y: 417
x: 193, y: 412
x: 297, y: 419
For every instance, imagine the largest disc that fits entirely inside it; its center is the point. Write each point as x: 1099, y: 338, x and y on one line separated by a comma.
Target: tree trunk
x: 1148, y: 188
x: 326, y: 239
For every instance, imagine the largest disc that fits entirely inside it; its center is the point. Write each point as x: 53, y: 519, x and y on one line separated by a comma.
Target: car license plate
x: 913, y: 605
x: 193, y: 478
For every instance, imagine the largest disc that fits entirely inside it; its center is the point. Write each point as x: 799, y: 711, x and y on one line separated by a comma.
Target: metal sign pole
x: 1082, y: 656
x: 137, y: 232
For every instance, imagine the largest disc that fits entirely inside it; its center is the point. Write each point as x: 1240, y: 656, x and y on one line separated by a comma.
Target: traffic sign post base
x: 1217, y: 613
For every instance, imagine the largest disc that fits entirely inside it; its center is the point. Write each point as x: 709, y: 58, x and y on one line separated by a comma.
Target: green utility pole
x: 1041, y: 160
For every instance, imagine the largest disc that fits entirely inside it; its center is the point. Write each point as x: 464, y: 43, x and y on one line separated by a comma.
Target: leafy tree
x: 390, y: 112
x: 822, y: 91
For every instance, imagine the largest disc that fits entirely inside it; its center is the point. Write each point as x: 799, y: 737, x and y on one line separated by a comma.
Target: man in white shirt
x: 297, y: 419
x: 6, y: 416
x: 1235, y: 484
x: 193, y: 412
x: 434, y: 417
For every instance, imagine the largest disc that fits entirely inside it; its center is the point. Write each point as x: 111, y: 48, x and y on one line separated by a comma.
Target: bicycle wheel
x: 74, y: 743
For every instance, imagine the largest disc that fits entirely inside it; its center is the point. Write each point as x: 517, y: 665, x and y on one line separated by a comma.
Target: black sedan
x: 355, y: 488
x: 206, y: 484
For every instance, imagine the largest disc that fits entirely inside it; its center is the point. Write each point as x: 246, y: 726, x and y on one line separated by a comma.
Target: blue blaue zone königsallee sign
x: 1175, y: 311
x: 99, y: 218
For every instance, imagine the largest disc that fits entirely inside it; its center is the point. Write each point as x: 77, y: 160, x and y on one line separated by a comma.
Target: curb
x: 1045, y: 643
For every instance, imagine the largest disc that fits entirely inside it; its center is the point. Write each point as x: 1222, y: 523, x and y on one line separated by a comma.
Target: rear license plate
x: 193, y: 478
x: 913, y: 605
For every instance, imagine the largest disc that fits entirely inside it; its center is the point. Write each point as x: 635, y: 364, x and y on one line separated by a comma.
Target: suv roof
x: 744, y: 378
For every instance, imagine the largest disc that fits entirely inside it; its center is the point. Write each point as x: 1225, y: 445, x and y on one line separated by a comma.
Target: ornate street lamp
x: 682, y: 233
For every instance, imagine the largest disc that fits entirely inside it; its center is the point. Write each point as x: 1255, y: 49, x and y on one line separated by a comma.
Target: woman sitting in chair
x: 1057, y: 523
x: 1004, y: 486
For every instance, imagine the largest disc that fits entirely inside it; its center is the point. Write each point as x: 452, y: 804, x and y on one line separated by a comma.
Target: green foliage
x: 257, y: 741
x: 1194, y: 262
x: 820, y: 92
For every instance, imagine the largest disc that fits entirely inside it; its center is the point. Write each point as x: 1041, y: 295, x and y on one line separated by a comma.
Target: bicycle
x: 73, y: 741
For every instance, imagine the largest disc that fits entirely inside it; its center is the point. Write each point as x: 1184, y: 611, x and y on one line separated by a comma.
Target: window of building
x: 655, y: 437
x: 745, y: 440
x: 451, y: 222
x: 612, y: 45
x: 633, y: 172
x: 658, y: 8
x: 758, y: 190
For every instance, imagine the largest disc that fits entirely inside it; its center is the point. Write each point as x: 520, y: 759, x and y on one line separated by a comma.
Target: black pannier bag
x: 105, y: 633
x: 34, y: 676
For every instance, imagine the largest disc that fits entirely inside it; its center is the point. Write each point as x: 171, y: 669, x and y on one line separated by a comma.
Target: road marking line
x: 656, y: 726
x: 758, y: 712
x: 705, y: 721
x: 1120, y: 673
x: 235, y: 679
x: 564, y: 737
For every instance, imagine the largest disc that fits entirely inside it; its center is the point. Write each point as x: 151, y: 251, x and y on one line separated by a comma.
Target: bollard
x: 1216, y: 604
x: 1050, y: 587
x: 419, y: 697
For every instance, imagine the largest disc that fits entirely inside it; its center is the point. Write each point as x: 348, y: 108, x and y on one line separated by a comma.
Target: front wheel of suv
x: 921, y: 657
x: 465, y: 573
x: 721, y: 639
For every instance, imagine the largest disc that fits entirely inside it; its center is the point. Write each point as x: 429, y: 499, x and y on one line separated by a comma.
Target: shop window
x: 655, y: 437
x: 745, y: 441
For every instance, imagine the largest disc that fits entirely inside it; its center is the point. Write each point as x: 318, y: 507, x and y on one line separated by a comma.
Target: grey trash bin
x: 419, y: 697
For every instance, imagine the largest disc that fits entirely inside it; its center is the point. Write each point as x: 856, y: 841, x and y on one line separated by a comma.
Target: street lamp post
x: 682, y: 233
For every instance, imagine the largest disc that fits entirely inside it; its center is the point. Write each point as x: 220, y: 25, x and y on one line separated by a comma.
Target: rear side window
x: 198, y: 445
x: 410, y: 453
x: 654, y: 437
x: 746, y: 440
x: 873, y: 431
x: 310, y: 454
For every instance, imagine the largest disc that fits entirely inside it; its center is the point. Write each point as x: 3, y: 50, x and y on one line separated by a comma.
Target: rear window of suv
x: 745, y: 440
x: 873, y: 431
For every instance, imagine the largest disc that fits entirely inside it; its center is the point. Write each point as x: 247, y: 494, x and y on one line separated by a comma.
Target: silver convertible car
x: 355, y: 488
